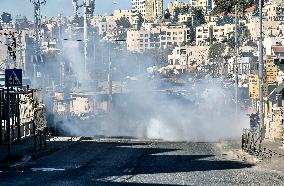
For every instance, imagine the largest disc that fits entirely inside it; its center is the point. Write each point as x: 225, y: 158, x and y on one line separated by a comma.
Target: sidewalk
x: 274, y: 156
x: 23, y: 151
x: 272, y: 160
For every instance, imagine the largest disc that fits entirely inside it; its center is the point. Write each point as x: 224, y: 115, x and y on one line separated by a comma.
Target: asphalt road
x: 117, y: 162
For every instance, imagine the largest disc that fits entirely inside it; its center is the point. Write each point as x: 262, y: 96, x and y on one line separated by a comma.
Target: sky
x: 55, y: 7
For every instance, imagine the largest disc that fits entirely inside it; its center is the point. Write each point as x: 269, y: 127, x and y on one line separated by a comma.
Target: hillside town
x: 155, y: 71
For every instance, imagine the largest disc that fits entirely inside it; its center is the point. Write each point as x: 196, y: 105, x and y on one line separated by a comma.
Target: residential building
x: 211, y: 31
x: 141, y: 40
x: 118, y: 14
x: 104, y: 24
x: 82, y: 104
x: 185, y: 18
x: 206, y: 5
x: 159, y: 36
x: 274, y: 11
x: 176, y: 4
x: 149, y: 9
x: 271, y: 43
x: 183, y: 57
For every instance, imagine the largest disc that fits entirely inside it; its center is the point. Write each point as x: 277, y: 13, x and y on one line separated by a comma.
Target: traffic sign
x: 13, y: 77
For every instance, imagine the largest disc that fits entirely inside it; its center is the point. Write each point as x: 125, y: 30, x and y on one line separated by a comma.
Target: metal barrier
x: 27, y: 117
x: 251, y: 142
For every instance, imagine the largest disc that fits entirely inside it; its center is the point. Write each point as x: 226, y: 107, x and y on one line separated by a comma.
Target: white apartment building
x: 185, y: 56
x: 104, y: 24
x: 218, y: 33
x: 176, y: 4
x: 274, y: 11
x: 149, y: 9
x: 117, y: 14
x: 206, y: 5
x: 156, y: 37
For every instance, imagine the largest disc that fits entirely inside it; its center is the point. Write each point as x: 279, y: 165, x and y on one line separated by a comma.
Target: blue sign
x: 13, y: 77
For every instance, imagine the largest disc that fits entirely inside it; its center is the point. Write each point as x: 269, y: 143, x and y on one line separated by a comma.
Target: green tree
x: 167, y: 14
x: 216, y: 51
x: 123, y: 22
x: 198, y: 17
x: 243, y: 36
x: 228, y: 6
x: 140, y: 21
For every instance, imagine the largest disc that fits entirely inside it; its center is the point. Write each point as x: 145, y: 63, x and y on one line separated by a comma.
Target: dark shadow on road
x: 100, y: 161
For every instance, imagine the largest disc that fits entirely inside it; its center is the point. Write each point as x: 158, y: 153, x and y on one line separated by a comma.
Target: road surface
x: 128, y: 162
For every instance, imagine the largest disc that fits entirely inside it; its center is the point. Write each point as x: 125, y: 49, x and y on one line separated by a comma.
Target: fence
x: 27, y: 117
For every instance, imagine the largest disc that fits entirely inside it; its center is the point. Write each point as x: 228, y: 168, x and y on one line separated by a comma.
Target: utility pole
x: 89, y: 8
x: 75, y: 8
x: 261, y: 67
x: 37, y: 43
x: 236, y: 59
x: 110, y: 81
x: 20, y: 44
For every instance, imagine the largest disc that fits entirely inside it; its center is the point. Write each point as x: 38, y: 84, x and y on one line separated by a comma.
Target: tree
x: 221, y: 21
x: 6, y: 17
x: 243, y: 36
x: 123, y: 22
x: 197, y: 20
x: 198, y: 17
x: 216, y: 51
x: 167, y: 14
x: 176, y: 13
x: 140, y: 21
x: 228, y: 6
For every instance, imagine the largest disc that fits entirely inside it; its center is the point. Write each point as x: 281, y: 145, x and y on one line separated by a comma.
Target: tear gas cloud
x: 199, y: 111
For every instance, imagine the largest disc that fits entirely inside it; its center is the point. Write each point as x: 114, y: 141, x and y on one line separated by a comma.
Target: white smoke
x: 207, y: 114
x: 203, y: 111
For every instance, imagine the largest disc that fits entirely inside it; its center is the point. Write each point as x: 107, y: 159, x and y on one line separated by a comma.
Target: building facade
x: 149, y: 9
x: 157, y: 37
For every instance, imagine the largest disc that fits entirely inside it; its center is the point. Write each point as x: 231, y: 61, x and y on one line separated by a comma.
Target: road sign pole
x: 8, y: 123
x: 13, y: 78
